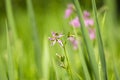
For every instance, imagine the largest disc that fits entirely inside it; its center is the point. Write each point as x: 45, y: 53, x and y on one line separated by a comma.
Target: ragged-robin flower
x: 92, y: 34
x: 74, y: 42
x: 87, y: 20
x: 75, y: 22
x: 56, y: 38
x: 69, y: 10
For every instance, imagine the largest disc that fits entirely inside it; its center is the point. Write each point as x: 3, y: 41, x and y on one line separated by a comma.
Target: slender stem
x: 68, y: 63
x: 87, y: 41
x: 10, y: 57
x: 34, y: 36
x: 86, y: 72
x: 78, y: 75
x: 10, y: 18
x: 100, y: 43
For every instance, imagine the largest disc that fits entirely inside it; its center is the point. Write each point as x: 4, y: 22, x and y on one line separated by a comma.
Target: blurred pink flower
x: 92, y: 34
x: 69, y: 10
x: 56, y: 38
x: 75, y: 22
x: 87, y: 20
x: 86, y: 14
x: 74, y: 42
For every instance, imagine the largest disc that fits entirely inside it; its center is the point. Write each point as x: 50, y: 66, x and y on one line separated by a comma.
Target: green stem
x: 11, y: 74
x: 10, y: 18
x: 35, y: 36
x: 78, y: 75
x: 68, y: 63
x: 87, y: 41
x: 86, y: 72
x: 100, y: 43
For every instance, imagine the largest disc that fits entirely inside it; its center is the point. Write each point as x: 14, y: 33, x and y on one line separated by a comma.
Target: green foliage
x: 26, y: 52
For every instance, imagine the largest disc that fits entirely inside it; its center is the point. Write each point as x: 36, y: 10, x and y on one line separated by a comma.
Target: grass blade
x: 35, y: 36
x: 87, y: 41
x: 10, y: 18
x: 82, y: 59
x: 116, y: 72
x: 3, y: 75
x: 10, y: 59
x: 100, y: 44
x: 86, y: 72
x: 46, y: 60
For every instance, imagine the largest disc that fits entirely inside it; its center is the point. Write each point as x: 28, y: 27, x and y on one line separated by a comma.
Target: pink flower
x: 74, y: 42
x: 75, y: 22
x: 56, y: 38
x: 69, y: 10
x: 92, y: 34
x: 89, y: 22
x: 86, y: 14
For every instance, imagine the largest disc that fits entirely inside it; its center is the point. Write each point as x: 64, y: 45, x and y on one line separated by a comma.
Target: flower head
x: 87, y: 20
x: 92, y: 34
x: 56, y: 38
x: 75, y: 22
x: 74, y: 42
x: 69, y: 10
x: 86, y: 14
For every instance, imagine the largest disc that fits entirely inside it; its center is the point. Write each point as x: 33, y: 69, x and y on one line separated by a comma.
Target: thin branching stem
x: 68, y: 63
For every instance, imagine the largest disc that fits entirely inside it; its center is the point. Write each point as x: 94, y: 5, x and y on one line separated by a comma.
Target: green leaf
x: 10, y: 65
x: 116, y: 72
x: 100, y: 44
x: 46, y: 59
x: 35, y: 36
x: 87, y: 41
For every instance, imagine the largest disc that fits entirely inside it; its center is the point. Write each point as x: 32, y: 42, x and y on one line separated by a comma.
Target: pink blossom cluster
x: 74, y: 42
x: 89, y: 22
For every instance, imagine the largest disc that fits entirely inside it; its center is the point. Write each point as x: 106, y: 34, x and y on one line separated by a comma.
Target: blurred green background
x: 49, y: 16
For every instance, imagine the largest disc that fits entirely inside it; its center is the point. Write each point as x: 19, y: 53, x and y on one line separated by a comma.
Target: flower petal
x: 68, y: 12
x: 53, y: 43
x: 75, y: 22
x: 60, y: 42
x: 53, y: 34
x: 60, y: 35
x: 89, y: 22
x: 74, y: 42
x: 92, y: 34
x: 86, y: 14
x: 51, y: 39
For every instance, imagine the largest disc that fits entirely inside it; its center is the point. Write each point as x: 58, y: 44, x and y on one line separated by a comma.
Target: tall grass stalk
x: 35, y: 37
x: 10, y: 65
x: 12, y: 26
x: 100, y: 44
x: 46, y: 60
x: 116, y: 72
x: 55, y: 69
x: 112, y: 22
x: 3, y: 71
x: 87, y: 41
x: 68, y: 64
x: 10, y: 18
x: 82, y: 58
